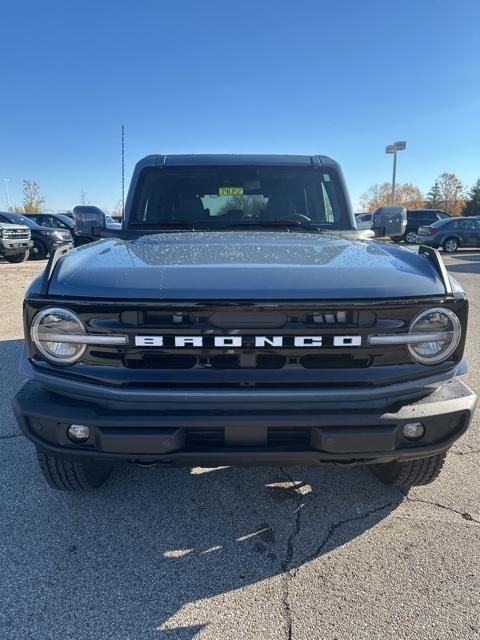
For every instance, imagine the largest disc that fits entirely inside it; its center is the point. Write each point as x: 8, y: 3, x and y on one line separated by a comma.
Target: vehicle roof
x: 21, y: 218
x: 440, y: 223
x: 235, y: 159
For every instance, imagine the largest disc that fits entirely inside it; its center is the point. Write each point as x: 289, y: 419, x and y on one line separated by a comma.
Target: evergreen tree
x: 472, y: 203
x: 434, y: 197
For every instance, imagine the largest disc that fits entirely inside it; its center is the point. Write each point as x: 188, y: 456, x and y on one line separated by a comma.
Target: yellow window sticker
x: 230, y: 191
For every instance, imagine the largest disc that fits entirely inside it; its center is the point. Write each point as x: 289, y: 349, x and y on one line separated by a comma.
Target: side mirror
x: 389, y: 221
x: 89, y: 221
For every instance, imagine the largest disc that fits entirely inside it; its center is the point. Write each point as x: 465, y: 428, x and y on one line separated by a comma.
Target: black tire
x: 72, y: 476
x: 450, y: 245
x: 18, y: 257
x: 411, y: 473
x: 39, y: 250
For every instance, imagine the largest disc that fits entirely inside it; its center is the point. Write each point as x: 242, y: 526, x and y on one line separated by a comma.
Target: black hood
x: 253, y: 265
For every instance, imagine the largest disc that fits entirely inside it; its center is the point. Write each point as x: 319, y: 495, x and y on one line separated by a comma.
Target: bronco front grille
x: 153, y: 358
x: 16, y: 234
x: 254, y: 337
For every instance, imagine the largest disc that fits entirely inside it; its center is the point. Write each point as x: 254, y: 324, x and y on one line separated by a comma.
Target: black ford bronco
x: 238, y: 317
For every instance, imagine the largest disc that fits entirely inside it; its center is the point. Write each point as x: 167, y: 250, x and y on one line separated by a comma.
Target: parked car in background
x: 364, y: 221
x: 417, y: 218
x: 45, y: 239
x: 451, y: 234
x: 59, y: 221
x: 111, y: 223
x: 15, y: 242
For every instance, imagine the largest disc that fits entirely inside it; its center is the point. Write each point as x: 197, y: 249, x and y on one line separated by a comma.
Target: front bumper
x: 12, y: 247
x: 274, y: 435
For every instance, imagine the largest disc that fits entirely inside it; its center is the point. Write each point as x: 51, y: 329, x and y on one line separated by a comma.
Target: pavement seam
x: 464, y: 514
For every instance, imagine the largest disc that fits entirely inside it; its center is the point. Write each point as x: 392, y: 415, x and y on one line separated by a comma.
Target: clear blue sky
x: 342, y: 78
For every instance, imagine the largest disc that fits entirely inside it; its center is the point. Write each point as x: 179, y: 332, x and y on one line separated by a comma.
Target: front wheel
x: 410, y: 473
x: 18, y: 257
x: 39, y: 250
x: 450, y: 245
x: 66, y: 475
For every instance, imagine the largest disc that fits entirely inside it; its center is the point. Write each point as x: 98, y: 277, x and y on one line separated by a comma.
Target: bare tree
x: 32, y: 200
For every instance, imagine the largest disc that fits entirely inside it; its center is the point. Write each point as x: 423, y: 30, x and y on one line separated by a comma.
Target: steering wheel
x: 295, y: 217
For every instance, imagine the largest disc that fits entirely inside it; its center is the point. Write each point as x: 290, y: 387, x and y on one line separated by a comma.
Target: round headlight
x: 445, y: 326
x: 49, y: 327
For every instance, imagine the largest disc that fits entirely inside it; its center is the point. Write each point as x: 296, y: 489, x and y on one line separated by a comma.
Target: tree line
x: 447, y: 193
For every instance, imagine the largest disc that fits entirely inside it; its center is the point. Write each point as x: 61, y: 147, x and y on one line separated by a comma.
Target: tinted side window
x: 39, y: 220
x: 466, y: 225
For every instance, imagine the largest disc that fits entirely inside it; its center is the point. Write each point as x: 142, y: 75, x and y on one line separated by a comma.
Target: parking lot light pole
x: 393, y: 148
x: 6, y: 181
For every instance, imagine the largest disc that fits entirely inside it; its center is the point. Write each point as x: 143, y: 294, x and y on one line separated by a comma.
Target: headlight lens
x: 433, y: 321
x: 48, y: 326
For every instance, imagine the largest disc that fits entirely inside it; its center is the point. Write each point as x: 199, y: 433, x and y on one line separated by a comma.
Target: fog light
x: 78, y: 432
x: 413, y: 430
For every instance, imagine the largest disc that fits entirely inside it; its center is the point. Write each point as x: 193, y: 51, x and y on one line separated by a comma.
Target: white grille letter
x: 347, y: 341
x: 263, y: 341
x: 228, y: 341
x: 188, y: 341
x: 148, y: 341
x: 308, y: 341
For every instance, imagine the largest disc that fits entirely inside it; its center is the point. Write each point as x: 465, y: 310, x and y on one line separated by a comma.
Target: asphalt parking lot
x: 265, y: 553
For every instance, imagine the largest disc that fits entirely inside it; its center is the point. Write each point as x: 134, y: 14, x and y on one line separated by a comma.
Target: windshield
x: 66, y: 220
x: 235, y: 196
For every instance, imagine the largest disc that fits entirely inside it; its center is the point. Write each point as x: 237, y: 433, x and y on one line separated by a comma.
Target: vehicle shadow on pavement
x: 10, y: 380
x: 135, y: 558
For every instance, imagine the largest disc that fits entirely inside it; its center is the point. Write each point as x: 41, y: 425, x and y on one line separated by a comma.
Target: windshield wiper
x: 276, y: 223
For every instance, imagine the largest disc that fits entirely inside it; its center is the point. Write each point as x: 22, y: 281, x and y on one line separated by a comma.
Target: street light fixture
x: 393, y: 148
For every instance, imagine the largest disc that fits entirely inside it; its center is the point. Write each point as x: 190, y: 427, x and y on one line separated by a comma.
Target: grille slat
x: 14, y: 234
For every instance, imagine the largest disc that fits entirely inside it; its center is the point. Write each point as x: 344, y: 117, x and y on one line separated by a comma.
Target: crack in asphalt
x: 12, y: 435
x: 288, y: 574
x: 336, y: 525
x: 465, y: 453
x: 464, y: 514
